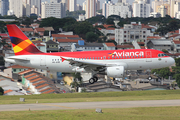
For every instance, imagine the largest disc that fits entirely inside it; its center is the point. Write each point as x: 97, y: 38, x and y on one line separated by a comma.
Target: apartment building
x: 129, y: 33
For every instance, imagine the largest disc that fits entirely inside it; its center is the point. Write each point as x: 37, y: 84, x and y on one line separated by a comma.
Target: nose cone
x: 171, y: 61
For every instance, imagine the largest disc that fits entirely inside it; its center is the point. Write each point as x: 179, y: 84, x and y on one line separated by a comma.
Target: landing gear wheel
x: 95, y: 79
x: 91, y: 81
x: 149, y: 78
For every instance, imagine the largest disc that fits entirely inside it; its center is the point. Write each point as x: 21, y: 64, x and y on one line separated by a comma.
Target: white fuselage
x: 55, y: 63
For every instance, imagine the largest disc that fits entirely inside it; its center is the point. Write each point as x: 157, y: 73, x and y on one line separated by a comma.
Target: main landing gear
x: 93, y: 80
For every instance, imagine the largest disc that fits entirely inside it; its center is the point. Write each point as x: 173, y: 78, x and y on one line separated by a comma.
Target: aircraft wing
x: 90, y: 65
x: 86, y: 63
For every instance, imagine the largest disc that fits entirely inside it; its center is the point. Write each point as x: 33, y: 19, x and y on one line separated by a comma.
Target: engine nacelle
x: 115, y: 72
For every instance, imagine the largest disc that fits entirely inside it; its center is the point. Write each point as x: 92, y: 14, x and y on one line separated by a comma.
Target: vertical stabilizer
x: 20, y: 42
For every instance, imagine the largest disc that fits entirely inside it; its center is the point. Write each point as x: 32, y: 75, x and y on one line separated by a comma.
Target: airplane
x: 112, y: 63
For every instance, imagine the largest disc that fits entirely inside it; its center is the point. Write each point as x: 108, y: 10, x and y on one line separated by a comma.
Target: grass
x: 149, y: 113
x: 92, y: 97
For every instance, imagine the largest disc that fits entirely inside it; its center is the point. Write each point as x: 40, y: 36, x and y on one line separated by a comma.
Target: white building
x: 34, y: 10
x: 53, y: 10
x: 105, y: 8
x: 90, y: 8
x: 72, y: 5
x: 78, y: 7
x: 37, y: 4
x: 26, y: 9
x: 178, y: 15
x: 82, y: 17
x: 176, y: 9
x: 4, y: 7
x: 16, y: 8
x: 84, y: 5
x: 162, y: 10
x: 141, y: 9
x: 155, y: 15
x: 155, y: 4
x: 129, y: 33
x: 97, y: 5
x: 121, y: 8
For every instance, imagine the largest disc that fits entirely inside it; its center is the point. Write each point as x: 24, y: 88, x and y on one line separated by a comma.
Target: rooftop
x: 110, y: 44
x: 176, y: 42
x: 51, y: 42
x: 19, y: 66
x: 67, y: 41
x: 161, y: 42
x: 40, y: 29
x: 27, y: 29
x: 60, y: 35
x: 125, y: 46
x: 91, y: 45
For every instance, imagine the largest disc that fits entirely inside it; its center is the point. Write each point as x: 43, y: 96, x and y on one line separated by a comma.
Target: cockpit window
x: 162, y: 55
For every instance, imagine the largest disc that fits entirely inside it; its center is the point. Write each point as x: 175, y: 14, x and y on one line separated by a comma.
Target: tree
x: 165, y: 51
x: 57, y: 23
x: 176, y: 71
x: 163, y: 72
x: 91, y: 37
x: 1, y: 91
x: 177, y: 77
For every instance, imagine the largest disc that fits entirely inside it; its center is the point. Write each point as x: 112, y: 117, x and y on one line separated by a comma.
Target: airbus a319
x: 113, y: 63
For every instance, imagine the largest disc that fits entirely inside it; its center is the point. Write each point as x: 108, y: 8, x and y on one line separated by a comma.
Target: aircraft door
x: 43, y: 60
x: 148, y: 56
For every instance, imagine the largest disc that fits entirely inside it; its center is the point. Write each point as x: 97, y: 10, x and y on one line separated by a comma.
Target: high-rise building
x: 79, y: 7
x: 53, y: 9
x: 97, y: 5
x: 34, y: 10
x: 72, y: 5
x: 16, y: 8
x: 90, y: 8
x: 121, y: 8
x: 141, y: 9
x: 4, y: 7
x: 176, y: 8
x: 162, y: 10
x: 105, y: 7
x: 129, y: 33
x: 84, y: 5
x: 37, y: 4
x: 26, y: 9
x: 0, y: 6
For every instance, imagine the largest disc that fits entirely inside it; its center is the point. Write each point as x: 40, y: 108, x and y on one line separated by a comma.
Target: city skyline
x: 101, y: 1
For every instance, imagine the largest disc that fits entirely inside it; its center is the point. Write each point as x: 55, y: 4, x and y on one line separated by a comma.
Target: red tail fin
x: 20, y: 42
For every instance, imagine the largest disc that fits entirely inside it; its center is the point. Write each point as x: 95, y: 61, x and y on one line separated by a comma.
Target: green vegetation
x: 91, y: 37
x: 162, y: 72
x: 8, y: 17
x: 91, y: 97
x: 57, y: 23
x: 165, y: 72
x: 1, y: 91
x: 176, y: 71
x: 75, y: 14
x: 147, y: 113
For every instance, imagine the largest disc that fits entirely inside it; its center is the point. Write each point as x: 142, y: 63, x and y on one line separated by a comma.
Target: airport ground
x: 167, y: 105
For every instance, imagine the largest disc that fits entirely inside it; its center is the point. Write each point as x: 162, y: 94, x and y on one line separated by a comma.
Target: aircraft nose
x: 171, y: 61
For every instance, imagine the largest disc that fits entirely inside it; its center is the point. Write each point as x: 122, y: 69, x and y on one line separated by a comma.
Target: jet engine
x: 115, y: 72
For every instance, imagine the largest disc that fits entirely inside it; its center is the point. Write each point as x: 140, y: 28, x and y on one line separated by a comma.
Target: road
x: 89, y: 105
